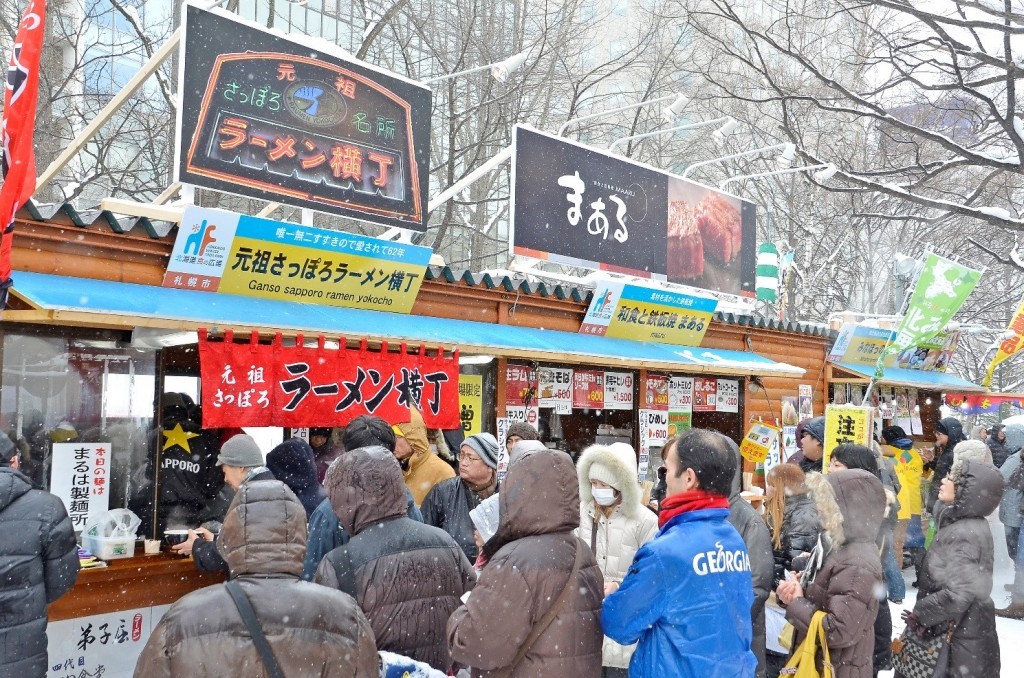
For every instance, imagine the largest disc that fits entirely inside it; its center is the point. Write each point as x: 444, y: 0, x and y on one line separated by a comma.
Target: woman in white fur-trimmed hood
x: 615, y: 524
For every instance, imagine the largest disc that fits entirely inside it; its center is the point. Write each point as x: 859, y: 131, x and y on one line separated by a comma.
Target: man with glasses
x: 448, y: 504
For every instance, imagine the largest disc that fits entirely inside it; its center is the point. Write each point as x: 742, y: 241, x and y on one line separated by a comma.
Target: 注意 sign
x: 648, y: 314
x: 269, y: 117
x: 578, y: 206
x: 220, y: 251
x: 274, y: 385
x: 846, y: 424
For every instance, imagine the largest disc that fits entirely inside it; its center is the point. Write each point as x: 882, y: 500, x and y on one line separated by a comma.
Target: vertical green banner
x: 941, y: 290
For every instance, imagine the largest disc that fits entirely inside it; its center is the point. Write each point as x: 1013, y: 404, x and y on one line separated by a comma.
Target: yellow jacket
x: 909, y: 469
x: 426, y: 469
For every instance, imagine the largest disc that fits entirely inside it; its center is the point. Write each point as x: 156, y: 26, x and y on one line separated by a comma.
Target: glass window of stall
x: 80, y: 407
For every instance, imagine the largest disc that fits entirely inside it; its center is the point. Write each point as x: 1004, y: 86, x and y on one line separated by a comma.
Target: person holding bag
x: 843, y: 572
x: 956, y: 580
x: 536, y: 608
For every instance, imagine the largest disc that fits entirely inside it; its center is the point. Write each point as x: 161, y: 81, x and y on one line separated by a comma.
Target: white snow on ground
x: 1010, y: 631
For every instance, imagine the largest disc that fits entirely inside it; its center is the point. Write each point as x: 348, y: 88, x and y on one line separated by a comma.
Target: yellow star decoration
x: 178, y: 436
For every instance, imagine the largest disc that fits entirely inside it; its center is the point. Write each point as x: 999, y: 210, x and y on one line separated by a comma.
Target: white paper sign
x: 80, y: 476
x: 656, y: 429
x: 774, y: 457
x: 680, y: 394
x: 502, y: 425
x: 521, y: 414
x: 555, y: 386
x: 645, y: 452
x: 618, y: 391
x: 728, y: 396
x: 106, y: 645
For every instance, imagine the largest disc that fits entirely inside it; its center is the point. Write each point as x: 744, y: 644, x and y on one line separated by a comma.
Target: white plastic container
x: 109, y: 548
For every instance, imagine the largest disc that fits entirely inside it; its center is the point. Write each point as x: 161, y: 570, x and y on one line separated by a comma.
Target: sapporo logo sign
x: 266, y: 117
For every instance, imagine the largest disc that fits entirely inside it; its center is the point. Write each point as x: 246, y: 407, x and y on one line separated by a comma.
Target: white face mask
x: 605, y: 496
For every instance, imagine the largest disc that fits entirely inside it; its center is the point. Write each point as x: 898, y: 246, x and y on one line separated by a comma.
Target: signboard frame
x: 315, y: 107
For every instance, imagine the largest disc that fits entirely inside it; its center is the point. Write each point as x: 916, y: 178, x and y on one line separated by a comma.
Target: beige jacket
x: 620, y: 534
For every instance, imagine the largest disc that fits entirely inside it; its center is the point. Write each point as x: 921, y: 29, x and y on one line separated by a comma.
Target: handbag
x: 803, y: 662
x: 541, y: 626
x: 917, y: 657
x: 251, y: 623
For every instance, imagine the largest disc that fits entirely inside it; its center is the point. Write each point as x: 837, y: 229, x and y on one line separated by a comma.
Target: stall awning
x: 101, y: 303
x: 935, y: 381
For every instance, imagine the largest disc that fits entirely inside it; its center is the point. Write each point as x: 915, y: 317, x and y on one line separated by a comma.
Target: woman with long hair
x: 792, y: 519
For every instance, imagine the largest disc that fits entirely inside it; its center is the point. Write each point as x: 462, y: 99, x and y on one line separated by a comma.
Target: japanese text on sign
x: 618, y: 391
x: 846, y: 424
x: 555, y: 386
x: 727, y: 395
x: 470, y: 403
x: 273, y: 385
x: 759, y: 440
x: 80, y: 477
x: 705, y: 394
x: 587, y: 390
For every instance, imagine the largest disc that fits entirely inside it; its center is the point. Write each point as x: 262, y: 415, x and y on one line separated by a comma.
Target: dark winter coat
x: 956, y: 576
x: 942, y: 463
x: 206, y: 554
x: 752, y: 528
x: 189, y: 479
x: 800, y: 530
x: 447, y: 506
x: 529, y: 559
x: 312, y: 631
x: 38, y: 564
x: 406, y: 576
x: 327, y: 534
x: 850, y: 504
x: 999, y: 450
x: 292, y: 463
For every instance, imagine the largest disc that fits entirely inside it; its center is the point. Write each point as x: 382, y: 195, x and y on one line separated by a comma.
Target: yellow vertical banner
x: 471, y: 402
x: 1009, y: 346
x: 846, y: 424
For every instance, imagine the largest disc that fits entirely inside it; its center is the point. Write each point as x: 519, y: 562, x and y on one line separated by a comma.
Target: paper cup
x: 748, y: 480
x: 152, y: 546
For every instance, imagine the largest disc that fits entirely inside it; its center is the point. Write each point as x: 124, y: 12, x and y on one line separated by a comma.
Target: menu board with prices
x: 520, y: 386
x: 680, y: 394
x: 656, y: 395
x: 705, y: 395
x: 618, y: 391
x: 587, y: 390
x: 556, y: 389
x: 728, y: 396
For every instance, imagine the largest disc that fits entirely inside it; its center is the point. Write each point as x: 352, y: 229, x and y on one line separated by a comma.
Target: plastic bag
x: 114, y: 523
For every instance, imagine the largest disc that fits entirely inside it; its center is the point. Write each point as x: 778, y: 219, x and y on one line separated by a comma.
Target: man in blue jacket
x: 688, y: 594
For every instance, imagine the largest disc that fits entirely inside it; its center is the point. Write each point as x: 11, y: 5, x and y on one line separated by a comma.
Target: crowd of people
x: 375, y: 553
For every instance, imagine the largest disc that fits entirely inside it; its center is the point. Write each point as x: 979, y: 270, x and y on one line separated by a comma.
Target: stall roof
x: 935, y: 381
x: 101, y: 303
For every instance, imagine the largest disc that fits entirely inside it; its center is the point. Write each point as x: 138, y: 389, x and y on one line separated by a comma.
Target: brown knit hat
x: 523, y: 430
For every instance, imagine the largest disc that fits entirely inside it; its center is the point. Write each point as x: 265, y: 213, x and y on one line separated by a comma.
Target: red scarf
x: 684, y: 502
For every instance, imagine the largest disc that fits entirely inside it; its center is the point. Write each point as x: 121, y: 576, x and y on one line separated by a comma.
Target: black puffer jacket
x: 406, y: 576
x: 447, y: 506
x: 999, y: 449
x: 956, y: 576
x: 800, y: 530
x: 944, y: 461
x: 38, y: 564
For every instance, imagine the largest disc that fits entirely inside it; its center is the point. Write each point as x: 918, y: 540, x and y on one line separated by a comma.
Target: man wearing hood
x: 310, y: 630
x: 688, y: 597
x: 189, y: 479
x: 406, y: 576
x: 754, y: 531
x: 844, y: 571
x: 811, y: 444
x: 530, y: 561
x: 421, y: 467
x: 997, y: 444
x: 949, y: 432
x: 38, y: 564
x: 324, y: 451
x: 292, y: 463
x: 1011, y: 508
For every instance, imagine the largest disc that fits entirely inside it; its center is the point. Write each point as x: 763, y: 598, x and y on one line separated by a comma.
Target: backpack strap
x: 251, y: 623
x: 541, y: 626
x: 342, y: 561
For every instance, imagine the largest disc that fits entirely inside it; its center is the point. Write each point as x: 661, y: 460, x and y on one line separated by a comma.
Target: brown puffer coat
x: 956, y: 576
x: 850, y: 504
x: 407, y: 577
x: 530, y: 558
x: 312, y: 631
